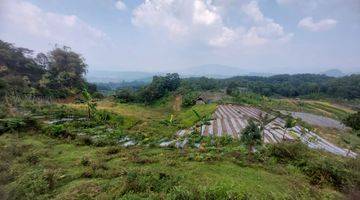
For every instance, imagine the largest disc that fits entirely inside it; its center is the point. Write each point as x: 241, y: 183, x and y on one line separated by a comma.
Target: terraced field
x: 232, y: 119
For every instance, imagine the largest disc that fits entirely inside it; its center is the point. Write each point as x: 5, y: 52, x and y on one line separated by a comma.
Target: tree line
x: 58, y: 73
x: 298, y: 85
x: 158, y: 88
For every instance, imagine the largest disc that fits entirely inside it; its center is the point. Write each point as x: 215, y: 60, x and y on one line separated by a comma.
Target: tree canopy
x: 58, y: 73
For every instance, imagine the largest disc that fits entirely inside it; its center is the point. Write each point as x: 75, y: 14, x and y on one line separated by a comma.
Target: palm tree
x: 251, y: 136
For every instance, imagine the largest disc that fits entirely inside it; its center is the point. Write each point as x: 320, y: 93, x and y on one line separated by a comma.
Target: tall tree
x: 18, y: 69
x: 66, y: 70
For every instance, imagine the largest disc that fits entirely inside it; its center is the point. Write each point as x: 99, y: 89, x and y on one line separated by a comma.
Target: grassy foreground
x: 82, y: 159
x: 42, y: 168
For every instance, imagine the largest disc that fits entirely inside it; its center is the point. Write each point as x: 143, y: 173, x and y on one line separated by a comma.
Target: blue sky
x: 276, y: 36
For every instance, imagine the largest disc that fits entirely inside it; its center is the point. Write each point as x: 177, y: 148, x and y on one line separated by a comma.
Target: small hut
x: 200, y: 101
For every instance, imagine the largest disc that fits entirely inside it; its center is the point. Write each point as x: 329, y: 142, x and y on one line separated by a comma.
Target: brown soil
x: 177, y: 103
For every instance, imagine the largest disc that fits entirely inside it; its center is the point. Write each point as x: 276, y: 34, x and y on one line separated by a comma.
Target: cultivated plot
x: 232, y: 119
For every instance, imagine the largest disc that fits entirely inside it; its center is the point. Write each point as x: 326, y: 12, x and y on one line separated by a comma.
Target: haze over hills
x: 334, y: 73
x: 213, y: 71
x: 209, y: 70
x: 103, y: 76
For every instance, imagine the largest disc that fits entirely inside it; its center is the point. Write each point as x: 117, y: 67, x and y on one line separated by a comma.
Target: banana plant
x: 169, y: 122
x: 290, y: 123
x: 90, y: 104
x: 203, y: 120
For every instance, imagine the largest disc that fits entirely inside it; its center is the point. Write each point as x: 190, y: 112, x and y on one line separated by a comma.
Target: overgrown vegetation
x: 110, y: 148
x: 353, y: 121
x: 158, y: 88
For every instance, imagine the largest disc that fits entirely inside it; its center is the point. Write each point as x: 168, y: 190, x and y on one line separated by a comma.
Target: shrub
x: 106, y: 117
x: 113, y: 150
x: 99, y: 165
x: 125, y: 95
x: 324, y: 170
x: 65, y: 112
x: 85, y: 140
x: 87, y: 174
x: 287, y: 152
x: 149, y: 182
x: 18, y: 124
x: 85, y: 161
x: 353, y: 121
x: 3, y: 110
x: 31, y: 185
x: 189, y: 99
x: 214, y: 193
x: 50, y: 176
x: 59, y: 131
x: 33, y: 159
x: 181, y: 193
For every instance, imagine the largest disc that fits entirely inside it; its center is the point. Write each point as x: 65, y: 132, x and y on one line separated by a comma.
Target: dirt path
x: 177, y: 103
x: 319, y: 120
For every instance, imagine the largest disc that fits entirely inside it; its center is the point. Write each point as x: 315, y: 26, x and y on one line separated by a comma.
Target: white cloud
x: 282, y: 2
x: 205, y: 13
x: 198, y: 20
x: 225, y: 38
x: 252, y: 10
x: 18, y: 17
x: 120, y: 5
x: 309, y: 24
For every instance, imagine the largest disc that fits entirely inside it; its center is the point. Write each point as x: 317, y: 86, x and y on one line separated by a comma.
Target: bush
x: 324, y: 170
x: 149, y: 182
x: 353, y: 121
x: 33, y: 159
x: 3, y: 110
x: 31, y: 185
x: 189, y: 99
x: 214, y: 193
x: 85, y: 140
x: 125, y: 95
x: 59, y: 112
x: 18, y: 124
x: 181, y: 193
x: 113, y: 150
x: 286, y: 152
x: 85, y: 161
x: 59, y: 131
x: 106, y: 117
x: 320, y: 169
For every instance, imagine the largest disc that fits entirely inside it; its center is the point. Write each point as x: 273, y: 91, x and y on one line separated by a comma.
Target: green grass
x: 187, y: 117
x: 36, y: 166
x: 145, y: 122
x: 64, y: 161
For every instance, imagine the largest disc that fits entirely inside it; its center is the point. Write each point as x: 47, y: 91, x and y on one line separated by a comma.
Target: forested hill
x: 284, y: 85
x: 301, y: 84
x: 60, y: 73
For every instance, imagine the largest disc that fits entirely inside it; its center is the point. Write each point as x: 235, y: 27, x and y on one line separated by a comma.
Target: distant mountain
x: 260, y: 74
x: 118, y: 76
x: 212, y: 71
x: 334, y: 73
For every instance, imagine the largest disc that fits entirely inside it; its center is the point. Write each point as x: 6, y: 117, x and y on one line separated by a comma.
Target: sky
x: 267, y: 36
